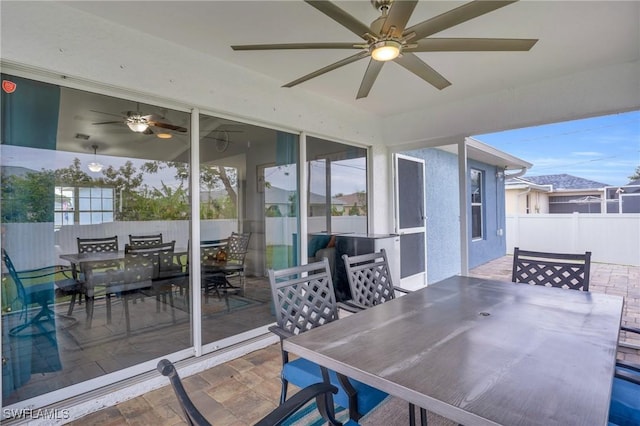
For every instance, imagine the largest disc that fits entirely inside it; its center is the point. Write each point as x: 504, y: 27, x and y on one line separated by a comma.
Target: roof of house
x: 565, y: 181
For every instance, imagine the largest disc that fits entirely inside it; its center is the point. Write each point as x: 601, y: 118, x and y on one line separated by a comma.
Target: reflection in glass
x: 247, y: 223
x: 85, y: 320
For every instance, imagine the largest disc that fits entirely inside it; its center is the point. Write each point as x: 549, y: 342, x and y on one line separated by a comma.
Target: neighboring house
x: 560, y: 193
x: 279, y: 202
x: 623, y: 199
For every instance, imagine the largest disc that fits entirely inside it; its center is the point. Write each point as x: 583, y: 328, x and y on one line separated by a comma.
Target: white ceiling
x: 573, y: 35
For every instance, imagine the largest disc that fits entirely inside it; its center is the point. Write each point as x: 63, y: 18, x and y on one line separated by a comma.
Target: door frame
x: 417, y: 280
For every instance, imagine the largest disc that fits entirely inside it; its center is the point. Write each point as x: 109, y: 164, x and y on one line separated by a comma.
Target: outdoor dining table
x: 481, y: 352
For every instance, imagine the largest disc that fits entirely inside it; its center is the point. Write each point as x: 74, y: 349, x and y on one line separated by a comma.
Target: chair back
x: 237, y: 247
x: 303, y: 296
x: 97, y: 245
x: 14, y: 275
x: 191, y: 413
x: 569, y: 271
x: 369, y: 278
x: 158, y: 256
x: 145, y: 240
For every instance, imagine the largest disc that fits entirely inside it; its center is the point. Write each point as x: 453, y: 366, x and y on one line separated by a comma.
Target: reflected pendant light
x: 94, y: 166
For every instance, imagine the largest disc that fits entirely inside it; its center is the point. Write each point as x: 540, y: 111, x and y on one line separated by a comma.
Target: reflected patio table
x: 481, y: 352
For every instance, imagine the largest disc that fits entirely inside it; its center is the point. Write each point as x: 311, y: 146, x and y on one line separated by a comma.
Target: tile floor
x: 241, y: 391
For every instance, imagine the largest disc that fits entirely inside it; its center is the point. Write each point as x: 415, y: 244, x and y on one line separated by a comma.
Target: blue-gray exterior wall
x: 443, y: 220
x: 443, y: 206
x: 493, y: 243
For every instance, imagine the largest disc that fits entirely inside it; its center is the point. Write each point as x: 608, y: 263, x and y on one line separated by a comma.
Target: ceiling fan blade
x: 168, y: 126
x: 295, y: 46
x: 107, y: 113
x: 454, y: 17
x: 399, y: 15
x: 148, y: 131
x: 341, y: 17
x: 328, y: 68
x: 473, y: 44
x: 109, y: 122
x: 414, y: 64
x: 369, y: 78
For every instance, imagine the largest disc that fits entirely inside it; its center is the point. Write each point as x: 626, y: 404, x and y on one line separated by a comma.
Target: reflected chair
x: 322, y: 393
x: 304, y: 299
x: 371, y: 283
x: 37, y: 286
x: 228, y: 257
x: 93, y: 274
x: 569, y: 271
x: 145, y: 240
x: 166, y: 270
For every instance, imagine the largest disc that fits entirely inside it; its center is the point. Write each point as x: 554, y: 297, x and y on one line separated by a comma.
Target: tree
x: 636, y: 174
x: 28, y: 198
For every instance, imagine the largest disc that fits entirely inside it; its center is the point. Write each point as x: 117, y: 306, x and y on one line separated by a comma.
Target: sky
x: 603, y: 149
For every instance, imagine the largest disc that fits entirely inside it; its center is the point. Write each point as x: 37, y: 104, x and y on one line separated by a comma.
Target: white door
x: 411, y: 220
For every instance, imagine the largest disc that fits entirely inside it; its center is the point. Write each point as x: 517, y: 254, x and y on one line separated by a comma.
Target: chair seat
x: 302, y: 373
x: 625, y: 402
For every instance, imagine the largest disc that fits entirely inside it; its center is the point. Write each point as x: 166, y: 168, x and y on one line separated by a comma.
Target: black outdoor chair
x: 322, y: 392
x: 369, y: 279
x: 231, y: 253
x: 94, y: 273
x: 569, y: 271
x: 167, y: 270
x: 145, y: 240
x: 37, y: 286
x: 304, y: 298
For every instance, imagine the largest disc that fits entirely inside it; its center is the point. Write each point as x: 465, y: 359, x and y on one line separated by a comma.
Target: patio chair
x: 145, y: 240
x: 370, y: 283
x: 166, y: 270
x: 94, y: 273
x: 304, y: 298
x: 370, y: 279
x: 322, y: 393
x: 229, y: 256
x: 37, y: 286
x: 625, y: 396
x: 569, y: 271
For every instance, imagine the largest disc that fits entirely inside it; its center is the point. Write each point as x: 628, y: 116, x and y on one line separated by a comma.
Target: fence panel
x: 610, y: 238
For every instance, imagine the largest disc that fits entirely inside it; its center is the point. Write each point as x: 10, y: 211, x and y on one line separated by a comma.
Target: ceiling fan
x: 388, y: 39
x: 141, y: 123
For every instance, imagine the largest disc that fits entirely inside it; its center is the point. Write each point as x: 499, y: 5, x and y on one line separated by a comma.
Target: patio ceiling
x: 586, y: 63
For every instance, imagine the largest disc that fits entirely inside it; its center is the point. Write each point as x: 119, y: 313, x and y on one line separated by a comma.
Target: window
x: 84, y: 206
x: 477, y: 196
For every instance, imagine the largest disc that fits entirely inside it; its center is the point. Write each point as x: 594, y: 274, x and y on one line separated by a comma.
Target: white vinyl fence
x: 611, y: 238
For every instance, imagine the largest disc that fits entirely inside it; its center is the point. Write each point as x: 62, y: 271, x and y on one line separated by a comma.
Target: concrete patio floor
x: 242, y: 391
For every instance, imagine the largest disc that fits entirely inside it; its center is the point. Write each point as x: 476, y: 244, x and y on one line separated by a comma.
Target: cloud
x: 587, y: 153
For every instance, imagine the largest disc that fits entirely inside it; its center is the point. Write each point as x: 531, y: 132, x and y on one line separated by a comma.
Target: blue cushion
x: 625, y: 403
x: 316, y: 243
x: 302, y: 373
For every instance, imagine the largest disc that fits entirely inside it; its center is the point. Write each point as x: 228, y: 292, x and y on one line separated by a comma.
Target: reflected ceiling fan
x: 140, y: 123
x: 388, y: 39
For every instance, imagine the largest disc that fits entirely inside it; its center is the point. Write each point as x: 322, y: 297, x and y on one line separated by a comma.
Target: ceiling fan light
x: 164, y: 135
x: 385, y: 50
x: 137, y: 126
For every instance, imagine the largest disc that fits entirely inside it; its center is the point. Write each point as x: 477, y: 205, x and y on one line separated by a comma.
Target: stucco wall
x: 493, y: 243
x: 443, y: 221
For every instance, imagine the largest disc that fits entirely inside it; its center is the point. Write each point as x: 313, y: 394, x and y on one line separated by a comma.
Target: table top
x: 481, y: 352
